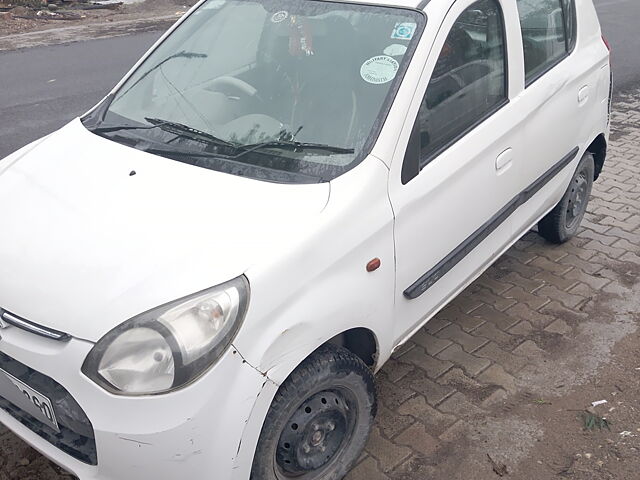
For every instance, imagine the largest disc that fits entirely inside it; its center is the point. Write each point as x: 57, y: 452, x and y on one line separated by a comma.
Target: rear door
x: 452, y: 184
x: 557, y: 104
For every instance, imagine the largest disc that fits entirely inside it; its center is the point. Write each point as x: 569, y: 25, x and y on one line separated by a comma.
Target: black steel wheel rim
x: 314, y: 436
x: 577, y: 203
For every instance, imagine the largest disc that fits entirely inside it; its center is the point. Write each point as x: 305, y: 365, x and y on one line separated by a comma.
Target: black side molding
x: 427, y: 280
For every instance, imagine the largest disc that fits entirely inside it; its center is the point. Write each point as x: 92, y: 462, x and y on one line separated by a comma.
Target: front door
x: 452, y: 188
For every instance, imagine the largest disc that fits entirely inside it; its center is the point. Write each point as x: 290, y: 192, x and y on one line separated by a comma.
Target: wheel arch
x: 598, y: 148
x: 360, y: 341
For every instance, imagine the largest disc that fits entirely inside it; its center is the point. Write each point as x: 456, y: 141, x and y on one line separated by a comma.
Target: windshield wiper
x: 186, y: 131
x: 292, y: 145
x: 117, y: 128
x: 176, y: 128
x: 228, y: 165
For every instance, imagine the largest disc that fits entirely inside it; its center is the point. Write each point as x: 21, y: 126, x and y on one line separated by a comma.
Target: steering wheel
x: 232, y: 85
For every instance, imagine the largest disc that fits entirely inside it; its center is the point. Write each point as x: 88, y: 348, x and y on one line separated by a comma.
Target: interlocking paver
x: 455, y: 334
x: 459, y: 405
x: 392, y: 422
x: 489, y: 331
x: 529, y: 349
x: 559, y: 326
x: 395, y: 370
x: 392, y: 394
x: 520, y: 295
x: 593, y: 281
x: 431, y: 365
x: 522, y: 328
x: 434, y: 419
x: 502, y: 320
x: 368, y: 469
x: 470, y: 363
x: 432, y: 345
x: 563, y: 282
x: 496, y: 286
x: 547, y: 265
x: 418, y: 438
x: 388, y: 453
x: 524, y: 312
x: 496, y: 375
x: 487, y: 297
x: 568, y: 299
x: 512, y: 363
x: 467, y: 322
x: 436, y: 324
x: 433, y: 392
x: 528, y: 284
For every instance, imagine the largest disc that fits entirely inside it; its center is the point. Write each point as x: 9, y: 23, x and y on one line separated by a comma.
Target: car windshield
x: 283, y: 90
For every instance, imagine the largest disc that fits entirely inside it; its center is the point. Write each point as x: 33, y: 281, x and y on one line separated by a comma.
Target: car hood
x: 87, y: 244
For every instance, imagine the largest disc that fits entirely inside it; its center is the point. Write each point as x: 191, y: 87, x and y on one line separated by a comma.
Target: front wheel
x: 562, y: 223
x: 319, y: 420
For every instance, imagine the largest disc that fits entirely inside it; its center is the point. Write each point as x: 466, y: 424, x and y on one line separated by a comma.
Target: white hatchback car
x: 199, y: 277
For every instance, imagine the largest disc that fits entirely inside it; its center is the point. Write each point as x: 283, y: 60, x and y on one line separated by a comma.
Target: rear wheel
x: 319, y: 421
x: 562, y: 223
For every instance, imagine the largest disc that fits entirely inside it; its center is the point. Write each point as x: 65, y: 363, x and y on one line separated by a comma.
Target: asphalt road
x: 43, y: 88
x: 619, y: 19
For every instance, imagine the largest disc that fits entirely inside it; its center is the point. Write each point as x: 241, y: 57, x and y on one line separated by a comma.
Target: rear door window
x: 548, y: 33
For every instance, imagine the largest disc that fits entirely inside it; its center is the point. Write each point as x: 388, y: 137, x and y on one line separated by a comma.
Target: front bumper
x: 195, y: 432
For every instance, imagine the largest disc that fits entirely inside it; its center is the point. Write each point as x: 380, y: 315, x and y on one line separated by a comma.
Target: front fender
x: 319, y: 287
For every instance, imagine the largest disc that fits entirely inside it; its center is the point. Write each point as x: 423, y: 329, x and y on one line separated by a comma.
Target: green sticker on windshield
x: 378, y: 70
x: 404, y: 31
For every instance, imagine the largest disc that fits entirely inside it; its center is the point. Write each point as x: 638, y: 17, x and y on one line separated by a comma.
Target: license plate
x: 28, y: 399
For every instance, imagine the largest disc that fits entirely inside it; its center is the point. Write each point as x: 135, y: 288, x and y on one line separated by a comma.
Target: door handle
x: 504, y: 161
x: 583, y: 95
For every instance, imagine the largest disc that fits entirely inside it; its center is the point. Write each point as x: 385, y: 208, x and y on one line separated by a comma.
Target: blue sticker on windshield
x: 404, y: 31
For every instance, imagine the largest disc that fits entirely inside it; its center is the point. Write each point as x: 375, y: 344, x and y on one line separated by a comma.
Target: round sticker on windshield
x: 280, y: 16
x: 378, y: 70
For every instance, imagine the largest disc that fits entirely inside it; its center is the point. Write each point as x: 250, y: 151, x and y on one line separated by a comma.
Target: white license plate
x: 32, y: 402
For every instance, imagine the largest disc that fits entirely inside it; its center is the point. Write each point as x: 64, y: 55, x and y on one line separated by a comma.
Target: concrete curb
x: 92, y: 31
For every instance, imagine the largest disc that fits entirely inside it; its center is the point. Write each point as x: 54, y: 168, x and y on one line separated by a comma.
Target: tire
x: 319, y: 420
x: 562, y: 223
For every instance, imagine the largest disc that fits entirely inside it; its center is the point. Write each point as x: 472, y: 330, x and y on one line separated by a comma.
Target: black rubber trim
x: 427, y: 280
x: 422, y: 4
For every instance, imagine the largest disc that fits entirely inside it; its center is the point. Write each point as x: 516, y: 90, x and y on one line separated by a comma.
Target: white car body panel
x: 461, y: 183
x: 88, y: 246
x: 101, y: 246
x: 280, y: 329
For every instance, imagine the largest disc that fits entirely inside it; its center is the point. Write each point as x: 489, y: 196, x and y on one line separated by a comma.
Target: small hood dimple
x: 94, y: 232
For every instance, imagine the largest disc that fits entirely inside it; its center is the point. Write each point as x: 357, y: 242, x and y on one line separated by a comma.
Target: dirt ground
x: 12, y: 22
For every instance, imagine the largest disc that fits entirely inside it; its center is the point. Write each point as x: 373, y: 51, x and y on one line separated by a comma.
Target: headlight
x: 168, y: 347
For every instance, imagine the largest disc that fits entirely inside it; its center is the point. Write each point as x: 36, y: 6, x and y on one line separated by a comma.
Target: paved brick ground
x: 491, y: 346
